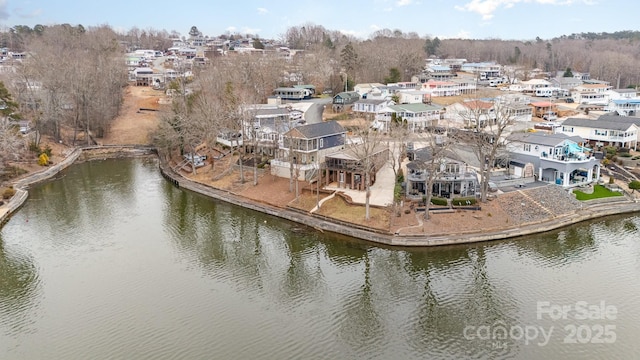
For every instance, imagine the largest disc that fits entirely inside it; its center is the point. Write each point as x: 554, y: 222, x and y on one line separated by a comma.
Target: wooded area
x: 73, y: 77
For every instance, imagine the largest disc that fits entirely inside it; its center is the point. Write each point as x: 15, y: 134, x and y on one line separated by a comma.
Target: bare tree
x: 487, y: 136
x: 372, y: 155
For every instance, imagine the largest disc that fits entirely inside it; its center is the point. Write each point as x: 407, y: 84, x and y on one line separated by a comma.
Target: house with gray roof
x: 417, y: 116
x: 554, y: 158
x: 305, y: 147
x: 344, y: 99
x: 452, y: 177
x: 371, y: 106
x: 611, y: 130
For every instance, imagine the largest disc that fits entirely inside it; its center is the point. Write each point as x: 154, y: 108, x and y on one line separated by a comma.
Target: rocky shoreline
x: 563, y: 215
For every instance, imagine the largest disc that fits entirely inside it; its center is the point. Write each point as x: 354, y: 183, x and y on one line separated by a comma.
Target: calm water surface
x: 112, y: 262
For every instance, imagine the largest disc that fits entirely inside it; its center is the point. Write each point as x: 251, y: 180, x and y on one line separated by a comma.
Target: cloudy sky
x: 474, y: 19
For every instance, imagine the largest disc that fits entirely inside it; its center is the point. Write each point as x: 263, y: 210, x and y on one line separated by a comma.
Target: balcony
x: 575, y: 157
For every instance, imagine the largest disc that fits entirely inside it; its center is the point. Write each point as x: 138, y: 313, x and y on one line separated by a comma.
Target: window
x: 321, y: 143
x: 527, y: 147
x: 600, y: 132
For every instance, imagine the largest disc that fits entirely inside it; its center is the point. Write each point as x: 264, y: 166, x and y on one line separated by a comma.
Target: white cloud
x: 231, y: 29
x: 486, y: 8
x: 248, y: 30
x: 404, y: 2
x: 262, y: 10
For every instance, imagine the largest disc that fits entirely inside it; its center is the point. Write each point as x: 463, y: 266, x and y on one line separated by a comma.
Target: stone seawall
x: 320, y: 223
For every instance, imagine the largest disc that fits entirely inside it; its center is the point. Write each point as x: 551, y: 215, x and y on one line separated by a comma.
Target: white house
x: 554, y: 158
x: 605, y: 130
x: 532, y: 85
x: 468, y: 113
x: 417, y: 116
x: 483, y: 70
x: 441, y: 88
x: 625, y: 107
x: 366, y: 88
x: 591, y: 94
x: 371, y: 106
x: 413, y: 96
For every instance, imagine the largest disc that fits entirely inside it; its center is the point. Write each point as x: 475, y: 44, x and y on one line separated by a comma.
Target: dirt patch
x: 490, y: 217
x: 134, y: 126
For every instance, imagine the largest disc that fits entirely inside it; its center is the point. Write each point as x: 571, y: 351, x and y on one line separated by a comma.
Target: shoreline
x: 589, y: 212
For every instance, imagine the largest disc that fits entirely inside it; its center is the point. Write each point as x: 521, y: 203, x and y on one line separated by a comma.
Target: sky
x: 469, y: 19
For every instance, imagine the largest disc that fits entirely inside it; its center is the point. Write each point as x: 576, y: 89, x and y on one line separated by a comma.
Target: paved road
x: 314, y: 113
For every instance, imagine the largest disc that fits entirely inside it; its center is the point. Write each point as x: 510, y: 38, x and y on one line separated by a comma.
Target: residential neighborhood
x: 453, y: 130
x: 255, y: 185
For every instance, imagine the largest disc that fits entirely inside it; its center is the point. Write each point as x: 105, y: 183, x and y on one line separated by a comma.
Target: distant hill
x: 617, y: 35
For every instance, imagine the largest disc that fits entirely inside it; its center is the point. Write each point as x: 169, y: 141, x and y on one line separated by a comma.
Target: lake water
x: 110, y: 261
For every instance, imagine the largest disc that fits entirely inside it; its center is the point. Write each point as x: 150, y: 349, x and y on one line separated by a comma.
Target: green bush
x: 8, y: 193
x: 397, y: 192
x: 439, y: 201
x: 625, y: 155
x: 47, y: 150
x: 400, y: 176
x: 463, y: 201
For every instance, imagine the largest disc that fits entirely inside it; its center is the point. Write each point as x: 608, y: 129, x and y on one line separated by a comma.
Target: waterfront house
x: 554, y: 158
x: 611, y: 130
x: 452, y: 178
x: 347, y: 168
x: 266, y: 129
x: 305, y: 147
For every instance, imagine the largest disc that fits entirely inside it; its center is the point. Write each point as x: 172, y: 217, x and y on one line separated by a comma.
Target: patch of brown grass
x: 307, y: 200
x: 339, y: 209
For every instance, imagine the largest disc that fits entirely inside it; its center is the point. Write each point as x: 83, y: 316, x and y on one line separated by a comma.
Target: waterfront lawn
x: 340, y: 209
x: 599, y: 191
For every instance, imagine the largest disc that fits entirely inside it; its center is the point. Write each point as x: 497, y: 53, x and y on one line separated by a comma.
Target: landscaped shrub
x: 463, y: 201
x: 611, y: 180
x: 611, y: 151
x: 43, y: 160
x: 8, y: 193
x: 400, y: 176
x: 625, y: 155
x: 397, y: 192
x: 439, y: 201
x: 47, y: 150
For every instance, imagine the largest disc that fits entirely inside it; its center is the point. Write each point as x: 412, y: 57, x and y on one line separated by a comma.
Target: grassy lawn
x: 599, y: 191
